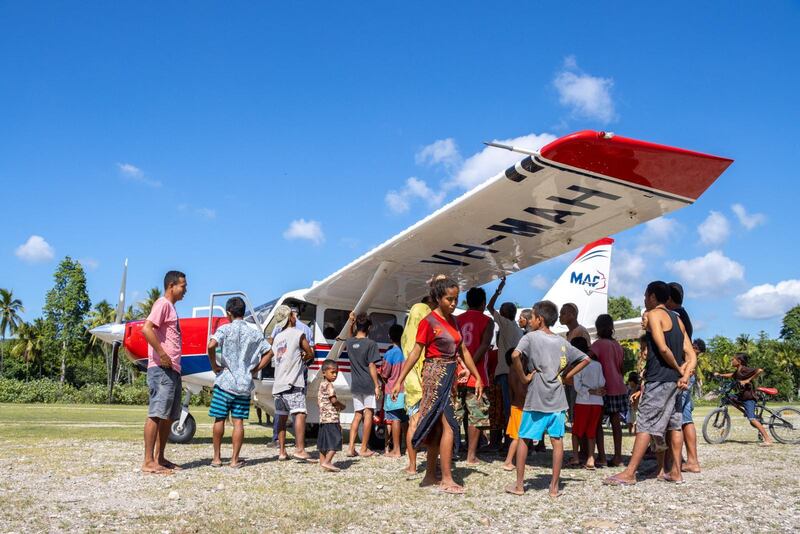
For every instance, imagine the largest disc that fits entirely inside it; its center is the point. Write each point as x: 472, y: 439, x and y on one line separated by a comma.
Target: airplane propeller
x: 116, y: 345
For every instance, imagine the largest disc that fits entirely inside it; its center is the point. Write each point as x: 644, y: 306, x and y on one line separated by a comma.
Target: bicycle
x: 783, y: 424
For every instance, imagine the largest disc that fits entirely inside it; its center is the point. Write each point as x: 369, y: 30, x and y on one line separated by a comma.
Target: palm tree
x: 153, y: 294
x: 103, y: 313
x: 30, y: 345
x: 10, y: 308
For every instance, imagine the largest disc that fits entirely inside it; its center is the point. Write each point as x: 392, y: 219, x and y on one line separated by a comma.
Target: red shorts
x: 585, y: 420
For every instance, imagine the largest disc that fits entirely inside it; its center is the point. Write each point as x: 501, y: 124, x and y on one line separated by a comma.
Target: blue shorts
x: 396, y: 415
x: 413, y: 410
x: 223, y: 403
x: 688, y: 403
x: 749, y: 409
x: 535, y: 425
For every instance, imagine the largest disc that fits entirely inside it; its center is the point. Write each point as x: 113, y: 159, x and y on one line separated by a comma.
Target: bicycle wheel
x: 784, y: 425
x: 717, y: 426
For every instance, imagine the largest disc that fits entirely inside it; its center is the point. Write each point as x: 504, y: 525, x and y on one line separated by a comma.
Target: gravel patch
x: 88, y: 485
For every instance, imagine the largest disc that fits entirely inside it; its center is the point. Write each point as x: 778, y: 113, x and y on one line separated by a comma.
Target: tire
x: 377, y: 438
x: 185, y: 434
x: 717, y: 426
x: 784, y: 425
x: 312, y: 430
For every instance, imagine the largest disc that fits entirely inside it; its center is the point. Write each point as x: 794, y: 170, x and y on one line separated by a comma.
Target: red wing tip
x: 594, y: 244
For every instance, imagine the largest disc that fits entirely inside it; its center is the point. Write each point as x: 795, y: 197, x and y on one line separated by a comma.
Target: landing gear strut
x: 182, y: 430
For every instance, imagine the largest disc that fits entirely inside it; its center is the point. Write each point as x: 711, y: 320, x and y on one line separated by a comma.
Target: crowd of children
x: 439, y: 372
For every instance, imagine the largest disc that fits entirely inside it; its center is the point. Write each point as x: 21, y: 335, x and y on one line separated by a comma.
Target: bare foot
x: 453, y: 488
x: 508, y: 467
x: 330, y: 467
x: 475, y: 462
x: 513, y: 489
x: 394, y: 455
x: 556, y: 495
x: 616, y: 462
x: 156, y: 469
x: 429, y: 482
x: 169, y: 465
x: 366, y: 454
x: 410, y: 470
x: 690, y: 468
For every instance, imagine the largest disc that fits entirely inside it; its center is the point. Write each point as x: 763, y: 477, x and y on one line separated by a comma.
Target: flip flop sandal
x: 514, y: 491
x: 509, y: 468
x: 216, y: 464
x: 163, y: 472
x: 669, y: 479
x: 238, y: 465
x: 283, y: 458
x: 452, y: 490
x: 556, y: 496
x: 590, y: 467
x: 615, y: 481
x: 308, y: 459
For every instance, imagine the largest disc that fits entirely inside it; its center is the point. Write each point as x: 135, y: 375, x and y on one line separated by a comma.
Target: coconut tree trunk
x: 63, y: 362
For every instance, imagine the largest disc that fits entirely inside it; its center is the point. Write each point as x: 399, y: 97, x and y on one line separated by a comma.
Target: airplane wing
x: 575, y: 190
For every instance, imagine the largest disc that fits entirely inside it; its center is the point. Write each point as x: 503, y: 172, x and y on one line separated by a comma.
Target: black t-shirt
x: 656, y: 369
x: 362, y: 352
x: 743, y: 373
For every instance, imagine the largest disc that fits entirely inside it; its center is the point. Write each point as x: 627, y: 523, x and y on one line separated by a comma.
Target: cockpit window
x: 262, y: 312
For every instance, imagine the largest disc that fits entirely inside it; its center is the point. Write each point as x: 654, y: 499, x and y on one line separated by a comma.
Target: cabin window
x: 381, y: 323
x: 333, y: 321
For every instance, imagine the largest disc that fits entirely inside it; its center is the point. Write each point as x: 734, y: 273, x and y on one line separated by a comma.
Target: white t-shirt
x: 288, y: 363
x: 590, y: 377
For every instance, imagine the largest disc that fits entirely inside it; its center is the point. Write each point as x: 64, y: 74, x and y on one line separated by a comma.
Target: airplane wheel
x: 377, y: 438
x: 185, y: 434
x: 312, y: 430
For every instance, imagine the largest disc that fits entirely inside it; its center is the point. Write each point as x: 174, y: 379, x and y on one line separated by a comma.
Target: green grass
x: 27, y: 422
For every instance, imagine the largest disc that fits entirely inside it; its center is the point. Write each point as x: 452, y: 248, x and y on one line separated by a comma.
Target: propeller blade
x: 114, y: 364
x: 121, y: 303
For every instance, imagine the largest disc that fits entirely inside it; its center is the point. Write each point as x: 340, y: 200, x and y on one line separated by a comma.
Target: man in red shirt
x: 477, y: 330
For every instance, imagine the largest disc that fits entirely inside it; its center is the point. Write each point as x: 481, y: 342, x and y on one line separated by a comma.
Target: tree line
x: 58, y: 346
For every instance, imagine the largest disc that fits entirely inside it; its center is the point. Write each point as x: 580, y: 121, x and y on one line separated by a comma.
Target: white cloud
x: 35, y: 250
x: 627, y: 271
x: 767, y: 300
x: 540, y: 282
x: 587, y: 96
x: 490, y: 161
x: 713, y: 273
x: 714, y: 230
x: 207, y: 213
x: 414, y: 188
x: 302, y: 229
x: 90, y: 264
x: 443, y: 151
x: 748, y: 220
x: 135, y: 174
x: 655, y: 235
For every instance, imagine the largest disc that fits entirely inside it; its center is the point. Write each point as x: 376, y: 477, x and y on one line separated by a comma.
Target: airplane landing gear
x: 182, y: 430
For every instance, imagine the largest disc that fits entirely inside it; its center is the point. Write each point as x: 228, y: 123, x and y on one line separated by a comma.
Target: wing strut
x: 384, y: 271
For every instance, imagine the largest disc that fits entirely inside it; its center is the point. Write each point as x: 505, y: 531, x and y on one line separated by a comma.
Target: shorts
x: 586, y: 418
x: 497, y: 420
x: 514, y: 419
x: 660, y: 409
x: 291, y: 401
x: 535, y: 425
x: 477, y: 411
x: 224, y: 403
x: 688, y: 403
x: 329, y: 437
x: 749, y: 409
x: 164, y: 387
x: 615, y: 404
x: 363, y: 402
x: 396, y: 415
x: 412, y: 410
x: 501, y: 382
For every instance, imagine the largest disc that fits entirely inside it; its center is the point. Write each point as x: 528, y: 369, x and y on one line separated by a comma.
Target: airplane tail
x: 585, y: 282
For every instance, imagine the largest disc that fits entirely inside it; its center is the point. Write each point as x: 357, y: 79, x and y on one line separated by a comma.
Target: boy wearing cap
x: 290, y: 349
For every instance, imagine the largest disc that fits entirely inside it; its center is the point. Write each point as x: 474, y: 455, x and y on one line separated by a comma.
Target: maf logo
x: 589, y: 282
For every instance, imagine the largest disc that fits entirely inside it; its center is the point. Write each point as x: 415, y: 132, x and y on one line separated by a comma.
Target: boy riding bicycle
x: 746, y: 397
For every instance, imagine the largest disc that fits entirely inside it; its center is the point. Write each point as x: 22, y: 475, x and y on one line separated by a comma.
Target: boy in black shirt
x: 744, y: 376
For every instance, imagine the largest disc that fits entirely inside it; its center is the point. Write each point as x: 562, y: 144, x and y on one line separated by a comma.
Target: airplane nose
x: 109, y: 333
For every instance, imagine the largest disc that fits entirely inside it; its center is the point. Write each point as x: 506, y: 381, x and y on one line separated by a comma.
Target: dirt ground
x: 70, y: 480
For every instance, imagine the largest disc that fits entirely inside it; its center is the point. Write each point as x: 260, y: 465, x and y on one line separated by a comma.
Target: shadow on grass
x: 206, y: 462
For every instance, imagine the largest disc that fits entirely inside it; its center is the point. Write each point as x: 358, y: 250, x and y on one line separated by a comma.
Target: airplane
x: 573, y: 191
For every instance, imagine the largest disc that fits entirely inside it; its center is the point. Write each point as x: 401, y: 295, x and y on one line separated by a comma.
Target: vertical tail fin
x: 585, y: 282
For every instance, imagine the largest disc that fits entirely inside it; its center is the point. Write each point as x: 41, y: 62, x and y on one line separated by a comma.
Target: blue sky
x: 262, y: 147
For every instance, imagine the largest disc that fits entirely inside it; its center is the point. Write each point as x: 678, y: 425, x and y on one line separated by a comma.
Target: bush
x: 51, y: 391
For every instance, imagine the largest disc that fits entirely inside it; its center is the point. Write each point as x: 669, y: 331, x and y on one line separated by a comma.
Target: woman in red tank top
x: 438, y: 334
